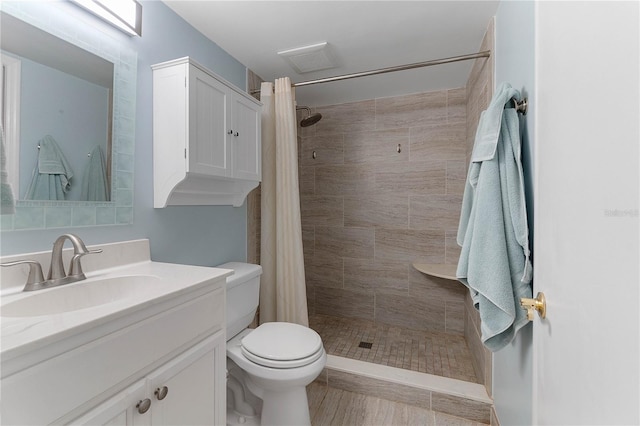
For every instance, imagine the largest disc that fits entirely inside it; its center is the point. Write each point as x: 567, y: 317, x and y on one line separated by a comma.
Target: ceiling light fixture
x: 126, y: 15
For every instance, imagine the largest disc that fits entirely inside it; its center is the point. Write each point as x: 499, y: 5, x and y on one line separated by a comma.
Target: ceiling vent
x: 310, y: 58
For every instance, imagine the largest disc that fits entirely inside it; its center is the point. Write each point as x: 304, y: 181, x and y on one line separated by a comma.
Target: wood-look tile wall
x: 253, y: 199
x: 369, y: 211
x: 479, y: 92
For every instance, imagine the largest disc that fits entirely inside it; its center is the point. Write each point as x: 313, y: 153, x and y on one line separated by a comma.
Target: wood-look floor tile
x: 344, y: 408
x: 316, y: 393
x: 442, y: 419
x: 461, y: 407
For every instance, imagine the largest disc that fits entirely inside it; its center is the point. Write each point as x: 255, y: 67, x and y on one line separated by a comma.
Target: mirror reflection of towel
x: 51, y: 178
x: 94, y: 180
x: 7, y: 202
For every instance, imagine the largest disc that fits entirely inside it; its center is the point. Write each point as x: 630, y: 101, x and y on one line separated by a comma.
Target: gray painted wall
x: 199, y: 235
x: 515, y: 60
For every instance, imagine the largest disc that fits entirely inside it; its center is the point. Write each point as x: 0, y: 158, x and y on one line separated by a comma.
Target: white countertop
x: 23, y: 336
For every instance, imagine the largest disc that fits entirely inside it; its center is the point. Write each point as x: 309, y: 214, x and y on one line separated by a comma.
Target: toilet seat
x: 282, y: 345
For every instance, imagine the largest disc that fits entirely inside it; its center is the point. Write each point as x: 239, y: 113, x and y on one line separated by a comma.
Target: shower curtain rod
x: 483, y: 54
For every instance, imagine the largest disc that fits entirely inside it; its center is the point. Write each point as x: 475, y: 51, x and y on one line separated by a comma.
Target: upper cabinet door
x: 209, y: 121
x: 247, y: 162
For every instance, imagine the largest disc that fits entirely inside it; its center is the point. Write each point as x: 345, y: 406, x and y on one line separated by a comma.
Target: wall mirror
x: 81, y: 95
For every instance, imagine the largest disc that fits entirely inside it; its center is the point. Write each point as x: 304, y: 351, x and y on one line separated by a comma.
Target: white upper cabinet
x: 206, y: 137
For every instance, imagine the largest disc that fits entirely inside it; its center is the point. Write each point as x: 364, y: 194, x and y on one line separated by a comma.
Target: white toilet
x: 268, y: 367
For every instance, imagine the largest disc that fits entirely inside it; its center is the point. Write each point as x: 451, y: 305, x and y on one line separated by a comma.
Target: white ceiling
x: 363, y: 35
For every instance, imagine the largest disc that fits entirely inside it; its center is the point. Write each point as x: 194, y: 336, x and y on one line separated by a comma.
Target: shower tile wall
x: 385, y: 190
x: 253, y: 199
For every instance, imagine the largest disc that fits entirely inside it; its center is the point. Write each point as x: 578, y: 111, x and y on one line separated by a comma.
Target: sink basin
x: 81, y: 295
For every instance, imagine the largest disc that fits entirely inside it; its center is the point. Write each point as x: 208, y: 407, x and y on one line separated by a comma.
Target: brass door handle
x: 538, y: 304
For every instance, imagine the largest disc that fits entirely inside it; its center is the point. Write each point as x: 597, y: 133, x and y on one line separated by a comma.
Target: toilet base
x: 289, y: 408
x: 235, y: 419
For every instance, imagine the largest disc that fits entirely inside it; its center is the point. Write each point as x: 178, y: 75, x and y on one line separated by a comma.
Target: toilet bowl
x: 270, y: 366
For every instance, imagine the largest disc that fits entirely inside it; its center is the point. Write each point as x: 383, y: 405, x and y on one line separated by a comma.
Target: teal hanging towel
x: 51, y: 178
x: 7, y: 202
x: 493, y: 232
x: 94, y: 180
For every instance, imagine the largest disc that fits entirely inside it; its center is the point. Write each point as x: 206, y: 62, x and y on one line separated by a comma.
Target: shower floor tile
x: 442, y: 354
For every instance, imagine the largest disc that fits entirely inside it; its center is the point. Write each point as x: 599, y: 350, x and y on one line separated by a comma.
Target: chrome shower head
x: 310, y: 119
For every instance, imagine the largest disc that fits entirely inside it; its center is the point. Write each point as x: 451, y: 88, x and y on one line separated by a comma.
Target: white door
x: 586, y: 353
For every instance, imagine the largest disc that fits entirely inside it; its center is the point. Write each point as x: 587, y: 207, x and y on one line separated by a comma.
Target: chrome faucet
x: 56, y: 270
x: 57, y: 275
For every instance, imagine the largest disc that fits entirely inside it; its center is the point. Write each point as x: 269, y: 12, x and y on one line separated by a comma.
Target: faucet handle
x: 35, y: 280
x: 75, y: 267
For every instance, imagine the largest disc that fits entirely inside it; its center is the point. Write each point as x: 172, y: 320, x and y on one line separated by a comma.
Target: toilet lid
x: 282, y: 345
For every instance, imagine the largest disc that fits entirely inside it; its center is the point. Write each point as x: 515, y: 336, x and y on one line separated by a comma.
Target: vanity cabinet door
x: 119, y: 409
x: 191, y: 388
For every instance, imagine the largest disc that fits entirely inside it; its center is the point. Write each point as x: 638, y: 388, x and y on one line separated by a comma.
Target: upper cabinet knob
x: 236, y: 134
x: 230, y: 131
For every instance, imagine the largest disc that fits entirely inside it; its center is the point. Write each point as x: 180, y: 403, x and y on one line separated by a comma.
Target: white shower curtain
x: 283, y: 295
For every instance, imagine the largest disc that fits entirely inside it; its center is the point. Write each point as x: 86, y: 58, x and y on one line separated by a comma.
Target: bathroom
x: 524, y: 33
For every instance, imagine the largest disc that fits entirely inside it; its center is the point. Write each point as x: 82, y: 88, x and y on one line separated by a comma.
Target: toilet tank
x: 243, y: 292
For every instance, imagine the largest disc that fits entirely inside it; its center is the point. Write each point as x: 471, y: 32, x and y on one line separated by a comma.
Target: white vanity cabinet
x: 206, y: 137
x: 181, y: 392
x: 169, y: 354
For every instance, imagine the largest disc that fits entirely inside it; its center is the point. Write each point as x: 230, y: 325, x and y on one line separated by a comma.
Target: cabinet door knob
x: 230, y: 132
x: 236, y: 134
x: 161, y: 393
x: 144, y: 405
